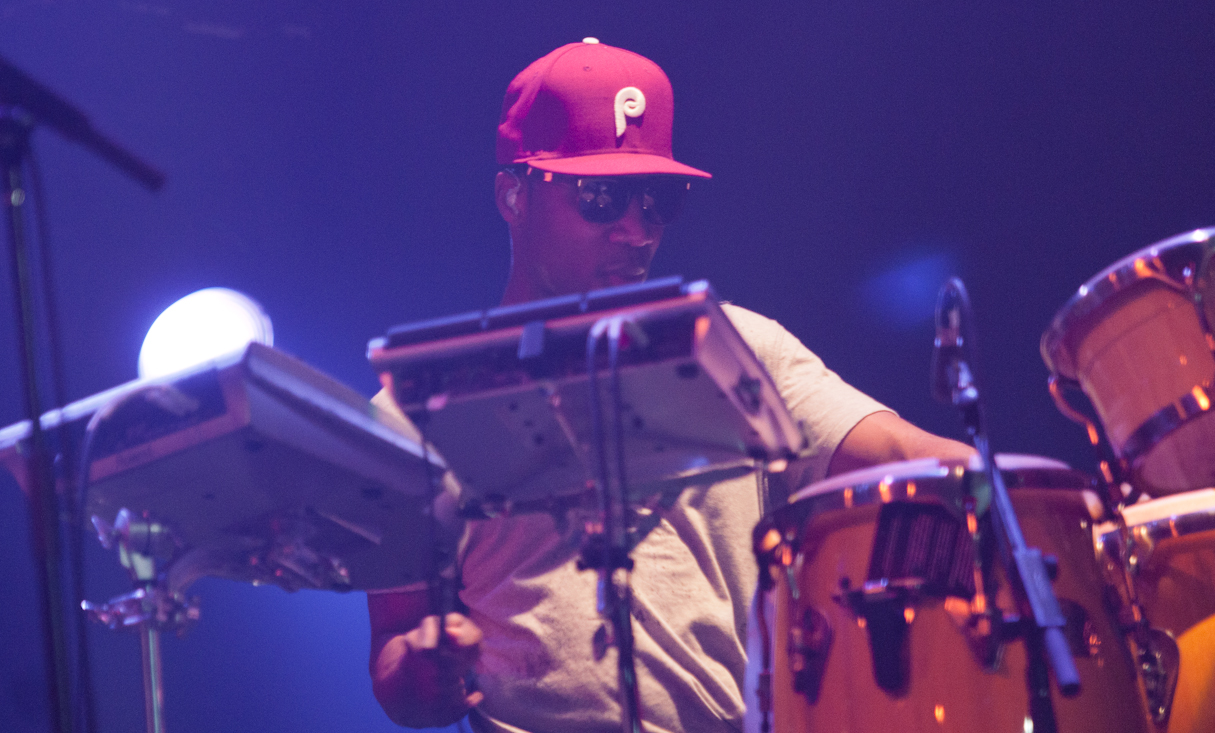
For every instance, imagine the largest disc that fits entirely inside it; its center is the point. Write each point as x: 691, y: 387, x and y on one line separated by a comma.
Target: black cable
x: 764, y: 683
x: 596, y: 410
x: 621, y: 503
x: 442, y: 589
x: 610, y: 551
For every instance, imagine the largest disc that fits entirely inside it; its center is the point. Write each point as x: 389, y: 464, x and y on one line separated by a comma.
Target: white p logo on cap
x: 630, y: 102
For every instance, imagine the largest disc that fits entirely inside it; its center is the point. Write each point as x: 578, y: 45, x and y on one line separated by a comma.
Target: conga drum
x: 1170, y: 555
x: 874, y: 582
x: 1137, y: 339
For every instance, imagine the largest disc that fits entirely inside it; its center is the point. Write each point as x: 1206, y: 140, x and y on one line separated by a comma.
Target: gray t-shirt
x: 693, y: 581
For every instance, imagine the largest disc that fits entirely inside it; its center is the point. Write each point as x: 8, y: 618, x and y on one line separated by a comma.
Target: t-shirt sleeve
x: 824, y: 405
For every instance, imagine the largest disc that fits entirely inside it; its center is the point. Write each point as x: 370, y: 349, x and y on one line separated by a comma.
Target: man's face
x: 558, y: 252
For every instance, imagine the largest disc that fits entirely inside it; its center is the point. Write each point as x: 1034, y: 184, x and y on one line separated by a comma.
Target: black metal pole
x: 44, y: 504
x: 954, y: 381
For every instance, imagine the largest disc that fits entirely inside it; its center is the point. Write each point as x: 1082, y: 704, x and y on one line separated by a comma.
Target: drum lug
x: 983, y: 626
x: 1078, y: 629
x: 809, y: 644
x: 1157, y: 657
x: 885, y: 608
x: 1159, y: 661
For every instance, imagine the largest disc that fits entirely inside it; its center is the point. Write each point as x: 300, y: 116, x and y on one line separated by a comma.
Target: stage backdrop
x: 335, y: 162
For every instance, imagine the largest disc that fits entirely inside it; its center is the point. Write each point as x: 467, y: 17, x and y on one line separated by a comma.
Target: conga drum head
x: 874, y: 579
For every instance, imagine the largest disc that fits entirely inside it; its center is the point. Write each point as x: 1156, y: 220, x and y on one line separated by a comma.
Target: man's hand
x: 417, y: 671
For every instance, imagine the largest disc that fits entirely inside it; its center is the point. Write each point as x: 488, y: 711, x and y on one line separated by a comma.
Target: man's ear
x: 509, y: 195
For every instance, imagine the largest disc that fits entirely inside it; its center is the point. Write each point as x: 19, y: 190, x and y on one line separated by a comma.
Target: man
x: 588, y: 183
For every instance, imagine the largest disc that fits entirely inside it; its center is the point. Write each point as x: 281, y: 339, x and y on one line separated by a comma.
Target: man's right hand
x: 417, y: 673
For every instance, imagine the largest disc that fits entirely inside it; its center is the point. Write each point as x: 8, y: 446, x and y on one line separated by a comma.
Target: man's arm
x: 883, y: 437
x: 418, y: 681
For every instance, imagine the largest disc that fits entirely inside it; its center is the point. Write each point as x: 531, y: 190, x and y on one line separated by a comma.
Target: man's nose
x: 633, y: 228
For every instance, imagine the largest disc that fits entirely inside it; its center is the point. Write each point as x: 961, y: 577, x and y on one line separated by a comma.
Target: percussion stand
x: 953, y: 381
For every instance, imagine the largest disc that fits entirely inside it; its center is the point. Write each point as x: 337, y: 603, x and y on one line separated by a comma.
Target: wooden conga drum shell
x: 948, y: 690
x: 1137, y: 340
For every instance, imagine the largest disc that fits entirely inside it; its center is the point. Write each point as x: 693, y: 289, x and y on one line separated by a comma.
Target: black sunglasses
x: 605, y: 200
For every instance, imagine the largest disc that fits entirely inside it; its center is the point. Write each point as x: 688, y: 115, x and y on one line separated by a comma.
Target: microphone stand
x: 44, y: 504
x: 40, y: 105
x: 1042, y: 619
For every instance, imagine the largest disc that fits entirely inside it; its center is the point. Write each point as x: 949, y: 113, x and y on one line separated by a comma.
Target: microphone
x: 951, y: 380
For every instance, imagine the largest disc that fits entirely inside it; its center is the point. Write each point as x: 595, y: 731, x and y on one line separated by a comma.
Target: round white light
x: 202, y: 326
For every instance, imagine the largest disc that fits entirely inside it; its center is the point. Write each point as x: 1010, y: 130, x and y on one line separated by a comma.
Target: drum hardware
x: 1113, y: 472
x: 984, y: 628
x: 922, y: 550
x: 1156, y: 653
x: 981, y: 624
x: 1157, y: 656
x: 809, y: 644
x: 885, y: 609
x: 953, y: 382
x: 1159, y: 661
x: 773, y: 549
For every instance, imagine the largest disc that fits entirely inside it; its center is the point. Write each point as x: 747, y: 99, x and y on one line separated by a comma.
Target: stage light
x: 202, y: 326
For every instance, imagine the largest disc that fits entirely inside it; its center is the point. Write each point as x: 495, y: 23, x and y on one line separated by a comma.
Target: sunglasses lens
x: 662, y: 199
x: 603, y: 200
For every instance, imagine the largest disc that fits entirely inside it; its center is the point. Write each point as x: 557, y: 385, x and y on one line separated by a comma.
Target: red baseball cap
x: 589, y: 109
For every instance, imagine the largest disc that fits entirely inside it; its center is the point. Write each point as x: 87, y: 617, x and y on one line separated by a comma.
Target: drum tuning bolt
x: 887, y: 608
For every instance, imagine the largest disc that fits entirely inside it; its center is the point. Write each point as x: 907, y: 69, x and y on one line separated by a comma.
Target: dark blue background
x: 335, y: 161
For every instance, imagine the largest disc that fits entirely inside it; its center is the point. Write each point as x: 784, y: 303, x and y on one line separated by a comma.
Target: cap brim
x: 615, y: 164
